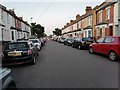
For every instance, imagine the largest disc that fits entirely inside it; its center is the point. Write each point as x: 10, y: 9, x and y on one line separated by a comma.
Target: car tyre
x: 33, y: 60
x: 112, y: 56
x: 91, y: 50
x: 37, y: 54
x: 72, y: 45
x: 12, y: 87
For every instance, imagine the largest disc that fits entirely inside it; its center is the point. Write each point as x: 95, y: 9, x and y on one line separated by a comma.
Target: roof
x: 12, y: 14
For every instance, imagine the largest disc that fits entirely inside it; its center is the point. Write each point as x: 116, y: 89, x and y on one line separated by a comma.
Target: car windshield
x: 86, y: 39
x: 35, y: 41
x: 16, y: 46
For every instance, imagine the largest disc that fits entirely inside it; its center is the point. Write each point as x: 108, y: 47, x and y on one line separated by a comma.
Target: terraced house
x: 12, y: 27
x: 81, y: 27
x: 100, y: 21
x: 107, y: 23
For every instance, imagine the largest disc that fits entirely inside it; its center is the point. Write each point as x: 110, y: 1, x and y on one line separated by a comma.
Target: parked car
x: 7, y: 80
x: 69, y: 41
x: 61, y: 40
x: 37, y: 43
x: 19, y: 52
x: 82, y: 43
x: 109, y: 46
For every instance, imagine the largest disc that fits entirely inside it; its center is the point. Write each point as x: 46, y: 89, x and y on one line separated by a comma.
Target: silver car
x: 37, y: 43
x: 6, y: 79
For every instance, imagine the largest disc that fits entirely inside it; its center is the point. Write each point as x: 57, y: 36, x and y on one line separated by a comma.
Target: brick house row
x: 12, y: 27
x: 100, y: 21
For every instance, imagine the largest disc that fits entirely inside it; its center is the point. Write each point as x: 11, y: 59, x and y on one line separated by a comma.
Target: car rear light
x: 29, y: 52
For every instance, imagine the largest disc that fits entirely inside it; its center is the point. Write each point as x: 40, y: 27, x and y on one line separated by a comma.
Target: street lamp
x: 31, y: 19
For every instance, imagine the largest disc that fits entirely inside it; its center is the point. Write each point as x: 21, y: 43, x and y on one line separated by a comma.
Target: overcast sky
x: 49, y: 13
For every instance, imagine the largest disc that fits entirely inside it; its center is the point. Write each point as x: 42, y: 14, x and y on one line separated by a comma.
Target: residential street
x: 60, y: 66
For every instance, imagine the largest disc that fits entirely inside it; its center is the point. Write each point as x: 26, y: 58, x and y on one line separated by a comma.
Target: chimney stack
x: 67, y: 24
x: 77, y: 17
x: 11, y: 11
x: 71, y: 21
x: 88, y: 9
x: 21, y: 18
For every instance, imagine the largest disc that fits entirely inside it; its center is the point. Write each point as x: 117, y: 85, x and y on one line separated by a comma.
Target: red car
x: 109, y: 45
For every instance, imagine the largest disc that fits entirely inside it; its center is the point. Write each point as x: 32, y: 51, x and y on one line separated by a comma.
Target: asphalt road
x: 60, y: 66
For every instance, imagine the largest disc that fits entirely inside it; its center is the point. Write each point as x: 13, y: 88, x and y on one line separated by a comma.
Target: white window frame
x: 108, y: 13
x: 98, y: 32
x: 100, y: 16
x: 103, y: 31
x: 7, y: 18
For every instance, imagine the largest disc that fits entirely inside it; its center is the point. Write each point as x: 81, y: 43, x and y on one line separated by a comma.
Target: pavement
x: 60, y: 66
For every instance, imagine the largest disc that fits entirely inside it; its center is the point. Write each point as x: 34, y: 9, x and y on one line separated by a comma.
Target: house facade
x: 102, y: 20
x: 12, y: 27
x: 81, y: 26
x: 105, y: 17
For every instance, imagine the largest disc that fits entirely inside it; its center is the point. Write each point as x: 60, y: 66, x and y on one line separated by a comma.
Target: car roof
x: 19, y: 42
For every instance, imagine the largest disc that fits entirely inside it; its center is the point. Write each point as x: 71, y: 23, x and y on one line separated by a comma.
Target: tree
x: 57, y: 31
x: 37, y: 29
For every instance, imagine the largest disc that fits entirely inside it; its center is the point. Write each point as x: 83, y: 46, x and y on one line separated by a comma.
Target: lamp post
x: 31, y: 19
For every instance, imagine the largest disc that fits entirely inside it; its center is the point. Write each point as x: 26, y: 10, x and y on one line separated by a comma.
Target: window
x: 109, y: 40
x: 2, y: 14
x: 98, y: 32
x: 90, y: 20
x: 8, y: 18
x: 100, y: 16
x: 12, y: 35
x: 107, y: 13
x: 100, y: 40
x: 20, y: 45
x: 103, y: 31
x: 89, y: 33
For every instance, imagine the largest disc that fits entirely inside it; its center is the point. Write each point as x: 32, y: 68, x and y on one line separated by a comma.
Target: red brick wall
x: 104, y: 15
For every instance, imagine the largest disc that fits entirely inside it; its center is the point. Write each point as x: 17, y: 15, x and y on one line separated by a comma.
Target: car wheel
x: 12, y: 87
x: 37, y: 54
x: 72, y: 45
x: 112, y: 56
x: 91, y: 50
x: 79, y: 47
x: 33, y: 60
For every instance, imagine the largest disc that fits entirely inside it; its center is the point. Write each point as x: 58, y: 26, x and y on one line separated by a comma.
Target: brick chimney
x: 77, y: 17
x: 71, y: 21
x: 64, y: 26
x: 88, y: 9
x: 11, y: 11
x: 21, y: 18
x: 67, y: 24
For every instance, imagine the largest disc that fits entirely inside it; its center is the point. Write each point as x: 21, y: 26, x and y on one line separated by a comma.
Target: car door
x: 98, y: 45
x: 107, y: 45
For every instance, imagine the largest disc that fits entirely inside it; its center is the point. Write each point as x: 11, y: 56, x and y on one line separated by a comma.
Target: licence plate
x: 14, y: 54
x: 88, y: 42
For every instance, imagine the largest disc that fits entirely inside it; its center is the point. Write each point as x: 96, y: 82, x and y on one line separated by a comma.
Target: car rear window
x: 109, y: 40
x: 16, y: 46
x: 78, y: 39
x: 86, y: 39
x: 34, y: 41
